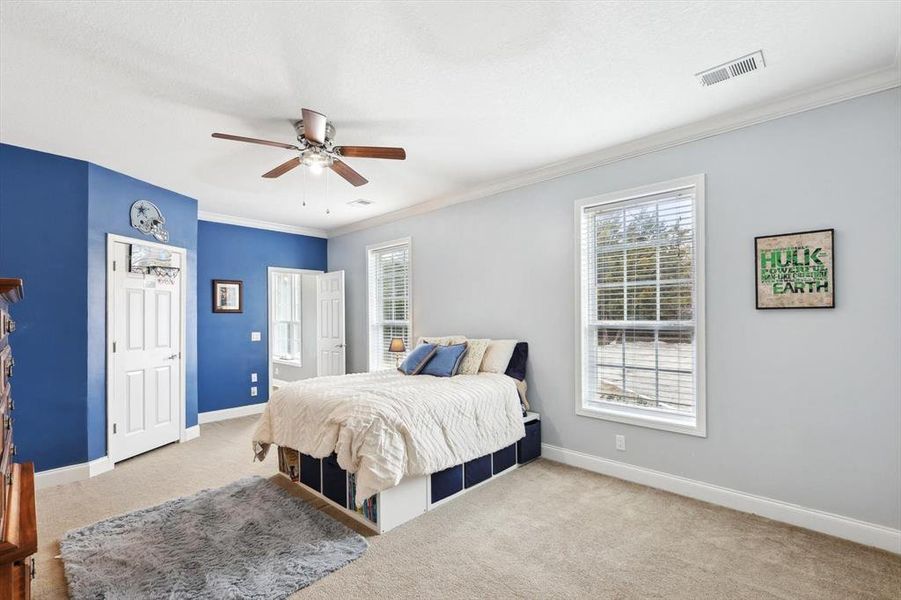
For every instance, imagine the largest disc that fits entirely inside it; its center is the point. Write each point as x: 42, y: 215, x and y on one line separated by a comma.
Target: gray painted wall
x: 803, y: 406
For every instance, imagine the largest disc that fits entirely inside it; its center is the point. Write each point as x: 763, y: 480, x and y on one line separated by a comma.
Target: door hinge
x: 114, y: 429
x: 114, y: 346
x: 114, y: 265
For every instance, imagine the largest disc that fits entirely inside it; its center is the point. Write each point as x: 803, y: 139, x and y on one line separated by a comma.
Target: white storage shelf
x: 413, y: 495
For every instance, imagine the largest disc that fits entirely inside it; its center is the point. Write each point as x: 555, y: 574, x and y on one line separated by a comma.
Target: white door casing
x: 269, y: 273
x: 145, y: 361
x: 330, y: 320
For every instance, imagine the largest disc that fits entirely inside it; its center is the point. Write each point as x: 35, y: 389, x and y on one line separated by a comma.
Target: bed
x: 386, y: 447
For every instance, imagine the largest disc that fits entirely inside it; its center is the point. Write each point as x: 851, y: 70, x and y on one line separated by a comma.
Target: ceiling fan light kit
x: 316, y: 159
x: 317, y: 149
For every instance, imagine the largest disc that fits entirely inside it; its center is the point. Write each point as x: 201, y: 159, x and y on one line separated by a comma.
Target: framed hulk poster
x: 795, y: 270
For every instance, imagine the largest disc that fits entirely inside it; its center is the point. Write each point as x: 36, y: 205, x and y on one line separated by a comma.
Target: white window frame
x: 371, y: 341
x: 269, y: 301
x: 272, y: 311
x: 693, y: 425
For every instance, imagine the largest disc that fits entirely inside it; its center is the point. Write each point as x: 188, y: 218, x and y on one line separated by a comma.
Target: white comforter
x: 386, y: 425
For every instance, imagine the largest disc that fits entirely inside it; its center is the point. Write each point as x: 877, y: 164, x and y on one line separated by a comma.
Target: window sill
x: 287, y: 363
x: 675, y: 423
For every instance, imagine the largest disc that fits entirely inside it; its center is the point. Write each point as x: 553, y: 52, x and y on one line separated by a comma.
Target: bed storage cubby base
x: 413, y: 495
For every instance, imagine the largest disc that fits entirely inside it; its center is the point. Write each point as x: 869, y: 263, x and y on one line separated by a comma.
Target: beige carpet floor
x: 543, y: 531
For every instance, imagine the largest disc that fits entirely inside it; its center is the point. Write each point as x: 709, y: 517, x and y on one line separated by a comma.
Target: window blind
x: 639, y: 281
x: 389, y: 301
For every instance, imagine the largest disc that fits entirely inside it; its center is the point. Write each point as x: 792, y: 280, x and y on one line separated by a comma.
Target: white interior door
x: 330, y: 317
x: 145, y: 385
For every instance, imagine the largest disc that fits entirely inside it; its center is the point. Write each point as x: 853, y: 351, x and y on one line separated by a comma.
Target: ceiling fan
x: 318, y: 150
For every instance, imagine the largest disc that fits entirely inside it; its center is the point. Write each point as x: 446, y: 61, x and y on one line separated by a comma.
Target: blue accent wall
x: 226, y: 356
x: 43, y: 237
x: 110, y: 196
x: 55, y: 214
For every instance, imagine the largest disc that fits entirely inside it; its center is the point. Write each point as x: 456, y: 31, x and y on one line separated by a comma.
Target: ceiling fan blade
x: 282, y: 168
x: 347, y: 173
x: 314, y: 126
x: 240, y: 138
x: 371, y: 152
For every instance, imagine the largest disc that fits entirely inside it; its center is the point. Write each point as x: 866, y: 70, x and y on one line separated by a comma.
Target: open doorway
x: 292, y: 325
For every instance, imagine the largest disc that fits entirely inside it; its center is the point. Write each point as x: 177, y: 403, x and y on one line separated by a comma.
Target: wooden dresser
x: 18, y: 521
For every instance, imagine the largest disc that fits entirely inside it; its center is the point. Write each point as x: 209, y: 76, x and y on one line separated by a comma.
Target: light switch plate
x: 253, y: 390
x: 253, y: 378
x: 255, y: 336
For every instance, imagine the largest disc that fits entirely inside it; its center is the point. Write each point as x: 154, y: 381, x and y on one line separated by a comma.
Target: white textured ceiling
x: 475, y: 92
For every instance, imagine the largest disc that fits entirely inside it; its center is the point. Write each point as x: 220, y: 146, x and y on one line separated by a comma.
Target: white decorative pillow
x: 472, y: 360
x: 448, y: 340
x: 497, y: 357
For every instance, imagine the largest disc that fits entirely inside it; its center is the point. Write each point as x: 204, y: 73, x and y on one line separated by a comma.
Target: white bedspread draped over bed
x: 386, y: 425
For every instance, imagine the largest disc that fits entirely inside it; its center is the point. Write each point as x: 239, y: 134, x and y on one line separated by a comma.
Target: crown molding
x: 871, y: 83
x: 203, y: 215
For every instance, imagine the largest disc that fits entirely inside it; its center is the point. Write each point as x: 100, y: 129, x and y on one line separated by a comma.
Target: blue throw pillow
x: 417, y: 359
x: 446, y: 361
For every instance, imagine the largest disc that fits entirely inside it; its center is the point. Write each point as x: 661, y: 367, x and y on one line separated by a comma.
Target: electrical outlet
x: 621, y: 443
x: 255, y: 336
x: 253, y: 390
x: 253, y: 378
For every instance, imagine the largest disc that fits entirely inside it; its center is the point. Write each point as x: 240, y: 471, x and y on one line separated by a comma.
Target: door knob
x: 174, y: 356
x: 339, y: 345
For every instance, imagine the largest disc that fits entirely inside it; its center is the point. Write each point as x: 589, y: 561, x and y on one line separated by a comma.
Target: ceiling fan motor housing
x: 329, y: 133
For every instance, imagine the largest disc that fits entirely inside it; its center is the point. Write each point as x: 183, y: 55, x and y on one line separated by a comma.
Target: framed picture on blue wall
x: 228, y: 296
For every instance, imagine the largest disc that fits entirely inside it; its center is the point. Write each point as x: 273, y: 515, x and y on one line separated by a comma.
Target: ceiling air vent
x: 360, y: 202
x: 733, y: 68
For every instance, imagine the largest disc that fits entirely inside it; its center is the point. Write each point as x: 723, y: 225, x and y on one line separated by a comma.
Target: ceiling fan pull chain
x: 328, y: 210
x: 304, y: 187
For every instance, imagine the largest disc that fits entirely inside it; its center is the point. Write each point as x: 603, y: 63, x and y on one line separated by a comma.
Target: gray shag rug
x: 249, y: 539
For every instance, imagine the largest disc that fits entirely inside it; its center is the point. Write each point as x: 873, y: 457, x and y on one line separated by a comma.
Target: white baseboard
x: 86, y: 470
x: 230, y: 413
x: 99, y: 466
x: 861, y: 532
x: 71, y: 473
x: 61, y: 475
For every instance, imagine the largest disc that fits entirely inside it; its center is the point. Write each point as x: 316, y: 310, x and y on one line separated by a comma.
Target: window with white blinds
x: 390, y: 300
x: 285, y: 316
x: 640, y: 322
